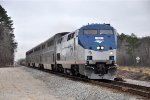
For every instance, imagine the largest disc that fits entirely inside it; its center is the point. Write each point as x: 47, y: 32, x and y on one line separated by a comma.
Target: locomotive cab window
x: 106, y: 31
x: 87, y: 32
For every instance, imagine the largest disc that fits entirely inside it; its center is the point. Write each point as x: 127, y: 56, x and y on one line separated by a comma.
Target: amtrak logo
x: 99, y: 39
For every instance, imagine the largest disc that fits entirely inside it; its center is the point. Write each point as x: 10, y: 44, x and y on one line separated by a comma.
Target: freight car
x: 89, y: 51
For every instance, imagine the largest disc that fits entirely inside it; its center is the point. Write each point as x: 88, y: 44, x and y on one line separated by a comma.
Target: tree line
x: 131, y: 47
x: 7, y: 39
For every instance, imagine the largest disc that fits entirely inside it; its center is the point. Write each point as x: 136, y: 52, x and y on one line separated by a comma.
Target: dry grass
x: 137, y: 73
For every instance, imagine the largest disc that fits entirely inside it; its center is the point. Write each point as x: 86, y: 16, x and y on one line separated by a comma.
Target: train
x: 89, y: 51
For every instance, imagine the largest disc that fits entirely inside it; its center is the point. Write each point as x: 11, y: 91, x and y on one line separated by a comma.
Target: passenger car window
x: 43, y: 46
x: 58, y: 56
x: 50, y: 43
x: 59, y: 40
x: 37, y: 49
x: 70, y: 36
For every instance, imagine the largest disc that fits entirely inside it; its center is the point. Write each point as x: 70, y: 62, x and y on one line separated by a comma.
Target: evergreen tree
x: 132, y: 43
x: 7, y: 42
x: 131, y: 46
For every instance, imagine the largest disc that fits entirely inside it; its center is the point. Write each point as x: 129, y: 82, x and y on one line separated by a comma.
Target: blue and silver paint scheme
x: 90, y: 48
x: 91, y: 42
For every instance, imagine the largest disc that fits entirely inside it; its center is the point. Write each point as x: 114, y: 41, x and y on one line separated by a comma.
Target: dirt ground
x: 16, y: 84
x: 136, y: 73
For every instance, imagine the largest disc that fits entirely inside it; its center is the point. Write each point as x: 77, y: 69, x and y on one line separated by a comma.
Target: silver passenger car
x: 44, y: 55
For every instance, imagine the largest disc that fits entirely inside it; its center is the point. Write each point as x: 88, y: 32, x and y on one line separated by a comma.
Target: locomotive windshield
x: 106, y: 31
x: 90, y: 32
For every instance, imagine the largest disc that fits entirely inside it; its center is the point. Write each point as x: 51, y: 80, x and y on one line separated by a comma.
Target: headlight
x: 100, y: 47
x: 111, y: 52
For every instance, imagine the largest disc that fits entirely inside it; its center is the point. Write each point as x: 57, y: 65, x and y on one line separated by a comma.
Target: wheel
x: 74, y: 70
x: 28, y: 64
x: 42, y: 66
x: 52, y: 67
x: 60, y: 68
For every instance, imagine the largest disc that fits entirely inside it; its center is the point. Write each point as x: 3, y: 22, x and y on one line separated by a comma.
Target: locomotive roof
x: 97, y: 26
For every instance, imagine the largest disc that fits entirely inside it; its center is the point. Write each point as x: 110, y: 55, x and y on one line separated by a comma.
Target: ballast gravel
x: 64, y: 88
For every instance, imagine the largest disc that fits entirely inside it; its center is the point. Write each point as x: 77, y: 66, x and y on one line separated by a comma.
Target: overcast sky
x: 37, y: 20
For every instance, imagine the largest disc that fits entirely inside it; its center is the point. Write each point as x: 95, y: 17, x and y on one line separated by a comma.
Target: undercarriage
x: 100, y: 71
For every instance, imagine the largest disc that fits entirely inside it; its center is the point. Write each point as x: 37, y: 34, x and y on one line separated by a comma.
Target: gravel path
x: 17, y: 84
x: 64, y: 88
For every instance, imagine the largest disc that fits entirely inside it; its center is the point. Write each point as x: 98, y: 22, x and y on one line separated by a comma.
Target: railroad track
x: 121, y: 86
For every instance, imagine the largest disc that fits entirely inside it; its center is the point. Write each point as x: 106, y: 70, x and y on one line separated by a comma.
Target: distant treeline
x: 7, y: 42
x: 130, y: 47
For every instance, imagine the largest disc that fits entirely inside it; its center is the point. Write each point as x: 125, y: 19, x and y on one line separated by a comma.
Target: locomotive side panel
x: 66, y: 50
